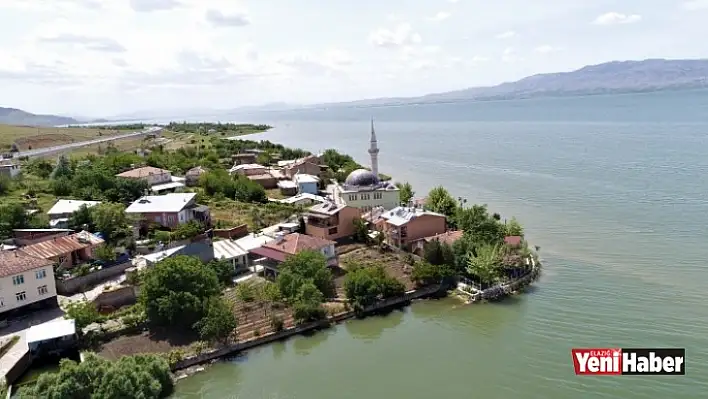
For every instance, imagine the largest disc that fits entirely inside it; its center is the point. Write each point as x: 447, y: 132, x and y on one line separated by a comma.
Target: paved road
x: 64, y: 147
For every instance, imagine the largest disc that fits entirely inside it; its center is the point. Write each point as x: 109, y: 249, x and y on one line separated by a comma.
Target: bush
x: 277, y: 323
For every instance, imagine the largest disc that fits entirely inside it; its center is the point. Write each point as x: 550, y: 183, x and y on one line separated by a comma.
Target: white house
x: 61, y: 211
x: 306, y: 184
x: 230, y: 250
x: 153, y: 176
x: 169, y: 210
x: 25, y: 282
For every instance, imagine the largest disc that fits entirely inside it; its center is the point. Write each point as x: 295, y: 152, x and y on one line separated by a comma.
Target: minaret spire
x: 374, y: 150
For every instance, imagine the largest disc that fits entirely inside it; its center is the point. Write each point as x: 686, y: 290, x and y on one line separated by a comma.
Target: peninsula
x: 196, y: 245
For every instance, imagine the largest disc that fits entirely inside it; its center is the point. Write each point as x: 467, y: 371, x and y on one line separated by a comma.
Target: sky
x: 103, y: 58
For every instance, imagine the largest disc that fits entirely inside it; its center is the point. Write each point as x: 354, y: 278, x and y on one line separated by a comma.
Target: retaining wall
x: 75, y: 285
x: 118, y: 297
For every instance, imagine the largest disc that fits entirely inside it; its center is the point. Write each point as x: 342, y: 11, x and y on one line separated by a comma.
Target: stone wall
x: 118, y: 297
x: 75, y: 285
x: 232, y: 233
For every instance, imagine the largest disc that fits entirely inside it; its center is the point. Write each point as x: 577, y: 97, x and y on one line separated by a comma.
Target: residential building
x: 170, y: 210
x: 306, y: 184
x: 153, y: 176
x: 244, y: 158
x: 275, y: 252
x: 52, y: 338
x: 249, y: 169
x: 26, y: 281
x: 363, y: 189
x: 331, y: 221
x: 448, y: 237
x: 203, y: 250
x: 309, y: 165
x: 403, y: 226
x: 266, y: 180
x: 67, y: 251
x: 287, y: 187
x: 9, y: 168
x: 194, y: 174
x: 60, y: 213
x: 231, y: 251
x: 23, y: 237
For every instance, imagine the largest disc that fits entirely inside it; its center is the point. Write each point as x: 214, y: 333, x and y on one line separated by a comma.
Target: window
x: 21, y: 296
x: 366, y: 196
x: 42, y: 290
x: 332, y: 230
x: 19, y: 279
x: 170, y: 219
x: 378, y: 195
x: 40, y: 274
x: 352, y: 197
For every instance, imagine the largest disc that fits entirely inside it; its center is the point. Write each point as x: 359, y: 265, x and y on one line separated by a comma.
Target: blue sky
x: 107, y: 57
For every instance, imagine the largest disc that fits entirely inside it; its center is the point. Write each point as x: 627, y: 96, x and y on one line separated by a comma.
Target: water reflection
x: 305, y: 343
x: 371, y: 328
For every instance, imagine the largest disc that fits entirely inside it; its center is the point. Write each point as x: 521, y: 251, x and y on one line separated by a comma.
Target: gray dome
x: 361, y: 177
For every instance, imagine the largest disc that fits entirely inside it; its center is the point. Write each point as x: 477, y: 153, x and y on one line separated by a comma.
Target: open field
x: 146, y: 342
x: 42, y: 137
x: 228, y: 213
x: 394, y: 263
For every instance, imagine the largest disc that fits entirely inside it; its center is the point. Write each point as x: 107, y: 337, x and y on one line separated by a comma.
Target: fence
x: 75, y: 285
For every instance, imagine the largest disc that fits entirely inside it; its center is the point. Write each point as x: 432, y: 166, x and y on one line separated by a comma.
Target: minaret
x: 374, y: 151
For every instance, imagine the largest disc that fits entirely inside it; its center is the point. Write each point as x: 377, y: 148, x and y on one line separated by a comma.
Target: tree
x: 439, y: 200
x: 219, y: 321
x: 476, y: 222
x: 306, y: 266
x: 425, y: 273
x: 438, y: 253
x: 175, y: 289
x: 83, y: 313
x: 361, y: 230
x: 111, y: 220
x: 308, y: 303
x: 12, y: 216
x: 139, y: 376
x: 105, y: 253
x: 484, y: 263
x: 406, y: 192
x: 62, y: 168
x: 5, y: 184
x: 187, y: 230
x: 245, y: 292
x: 269, y: 292
x: 224, y: 270
x: 365, y: 285
x: 513, y: 228
x: 82, y: 219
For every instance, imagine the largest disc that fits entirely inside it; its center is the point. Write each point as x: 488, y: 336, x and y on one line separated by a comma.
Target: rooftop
x: 327, y: 208
x: 294, y: 243
x: 196, y: 171
x: 301, y: 197
x: 166, y: 186
x: 287, y: 184
x: 401, y: 215
x: 228, y: 249
x: 62, y: 245
x: 253, y: 241
x: 173, y: 202
x: 247, y: 166
x: 53, y: 329
x: 448, y: 237
x: 261, y: 176
x: 69, y: 206
x: 160, y: 255
x: 143, y: 172
x: 301, y: 178
x: 17, y: 261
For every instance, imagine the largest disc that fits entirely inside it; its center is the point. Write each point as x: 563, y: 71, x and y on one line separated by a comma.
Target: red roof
x: 295, y: 243
x: 512, y: 240
x: 448, y: 237
x: 16, y: 262
x: 62, y: 245
x: 269, y: 253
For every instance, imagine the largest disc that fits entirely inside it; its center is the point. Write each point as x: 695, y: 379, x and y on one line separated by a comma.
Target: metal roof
x: 17, y: 261
x: 228, y: 249
x: 69, y: 206
x: 166, y: 186
x: 173, y: 202
x: 62, y: 245
x: 50, y: 330
x: 269, y: 253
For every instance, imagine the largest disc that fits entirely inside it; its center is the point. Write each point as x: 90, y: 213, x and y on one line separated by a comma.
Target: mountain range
x: 607, y: 78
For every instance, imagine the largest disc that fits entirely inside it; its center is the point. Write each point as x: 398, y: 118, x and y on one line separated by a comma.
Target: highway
x: 64, y: 147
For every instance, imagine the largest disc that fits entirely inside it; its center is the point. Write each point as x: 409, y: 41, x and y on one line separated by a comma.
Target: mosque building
x: 363, y: 189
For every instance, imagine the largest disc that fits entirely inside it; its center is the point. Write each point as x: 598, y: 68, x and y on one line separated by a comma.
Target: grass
x: 41, y: 137
x: 275, y: 193
x: 229, y: 213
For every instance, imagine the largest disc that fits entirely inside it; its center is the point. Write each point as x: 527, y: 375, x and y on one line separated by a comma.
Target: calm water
x: 613, y: 189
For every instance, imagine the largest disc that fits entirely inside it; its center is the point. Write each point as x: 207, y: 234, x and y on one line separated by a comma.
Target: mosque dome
x: 361, y: 177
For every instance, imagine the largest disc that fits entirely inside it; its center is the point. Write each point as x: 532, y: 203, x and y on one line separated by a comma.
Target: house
x: 309, y: 165
x: 249, y: 169
x: 306, y: 184
x: 331, y: 221
x: 287, y: 187
x: 231, y: 251
x: 266, y: 180
x: 275, y: 252
x: 403, y: 226
x: 198, y: 249
x: 194, y: 174
x: 67, y: 251
x: 9, y: 168
x: 153, y: 176
x: 60, y: 213
x: 448, y: 237
x: 303, y: 199
x: 26, y: 281
x: 170, y: 210
x: 243, y: 158
x: 24, y: 237
x: 52, y: 338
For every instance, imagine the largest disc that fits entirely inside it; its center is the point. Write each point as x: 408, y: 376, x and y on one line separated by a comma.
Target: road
x: 64, y: 147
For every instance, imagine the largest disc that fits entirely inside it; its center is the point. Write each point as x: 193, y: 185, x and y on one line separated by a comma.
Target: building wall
x: 309, y: 188
x: 252, y: 172
x: 365, y: 200
x: 10, y: 170
x: 166, y: 219
x: 345, y: 227
x: 267, y: 183
x: 420, y: 227
x: 30, y: 287
x: 308, y: 168
x: 160, y: 178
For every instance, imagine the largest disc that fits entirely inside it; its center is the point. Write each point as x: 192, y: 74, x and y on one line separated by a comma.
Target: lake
x: 614, y: 189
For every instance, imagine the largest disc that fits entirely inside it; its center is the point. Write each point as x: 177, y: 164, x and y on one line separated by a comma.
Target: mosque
x: 363, y: 189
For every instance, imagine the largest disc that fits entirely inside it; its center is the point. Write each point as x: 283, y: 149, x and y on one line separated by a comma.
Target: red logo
x: 600, y: 361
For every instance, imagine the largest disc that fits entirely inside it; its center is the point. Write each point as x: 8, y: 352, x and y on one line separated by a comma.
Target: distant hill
x: 13, y: 116
x: 607, y: 78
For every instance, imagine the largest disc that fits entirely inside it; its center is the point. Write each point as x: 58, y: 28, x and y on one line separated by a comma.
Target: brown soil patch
x: 255, y: 319
x: 394, y: 263
x: 146, y: 342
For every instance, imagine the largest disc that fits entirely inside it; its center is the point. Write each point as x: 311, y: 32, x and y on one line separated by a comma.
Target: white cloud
x: 154, y: 5
x: 614, y: 18
x: 440, y: 16
x: 545, y: 49
x: 453, y: 1
x: 220, y: 19
x: 695, y: 5
x: 510, y: 55
x: 87, y: 42
x: 401, y: 35
x: 506, y: 35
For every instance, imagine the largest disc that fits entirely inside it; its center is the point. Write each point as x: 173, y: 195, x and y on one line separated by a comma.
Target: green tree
x: 82, y: 219
x: 361, y: 230
x: 308, y: 303
x: 476, y: 222
x: 513, y: 228
x: 62, y: 168
x: 406, y: 192
x: 484, y: 263
x: 269, y: 292
x: 175, y: 289
x: 306, y: 266
x: 83, y: 313
x: 5, y: 184
x: 224, y: 270
x: 111, y: 220
x: 105, y: 253
x: 219, y: 321
x: 12, y: 216
x: 425, y: 273
x: 187, y: 230
x: 365, y: 285
x: 246, y: 292
x: 438, y: 253
x: 439, y: 200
